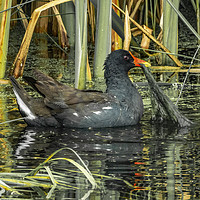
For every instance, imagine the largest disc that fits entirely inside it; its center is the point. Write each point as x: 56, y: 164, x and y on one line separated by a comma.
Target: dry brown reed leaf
x: 22, y: 54
x: 3, y: 81
x: 145, y: 40
x: 89, y: 75
x: 135, y: 32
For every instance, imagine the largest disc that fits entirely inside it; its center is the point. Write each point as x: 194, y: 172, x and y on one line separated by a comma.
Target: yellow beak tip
x: 147, y: 64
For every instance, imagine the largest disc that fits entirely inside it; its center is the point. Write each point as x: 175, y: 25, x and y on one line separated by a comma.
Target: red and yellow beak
x: 138, y: 61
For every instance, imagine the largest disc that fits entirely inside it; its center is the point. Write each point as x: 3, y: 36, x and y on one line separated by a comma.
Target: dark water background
x: 159, y: 161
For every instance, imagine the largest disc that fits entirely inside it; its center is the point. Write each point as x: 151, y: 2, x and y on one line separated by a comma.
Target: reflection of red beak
x: 138, y: 61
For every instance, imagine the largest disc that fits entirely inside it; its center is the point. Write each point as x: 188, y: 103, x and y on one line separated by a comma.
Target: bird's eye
x: 126, y: 57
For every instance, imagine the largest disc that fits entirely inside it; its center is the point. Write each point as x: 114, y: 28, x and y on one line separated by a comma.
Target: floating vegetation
x: 23, y: 183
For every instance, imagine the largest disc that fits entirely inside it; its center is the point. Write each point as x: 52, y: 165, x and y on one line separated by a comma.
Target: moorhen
x: 64, y: 106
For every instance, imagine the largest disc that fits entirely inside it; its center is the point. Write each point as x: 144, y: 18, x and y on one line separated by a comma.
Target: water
x: 148, y: 161
x: 159, y: 161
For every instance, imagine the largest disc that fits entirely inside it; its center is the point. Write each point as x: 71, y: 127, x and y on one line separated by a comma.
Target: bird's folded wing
x: 58, y: 95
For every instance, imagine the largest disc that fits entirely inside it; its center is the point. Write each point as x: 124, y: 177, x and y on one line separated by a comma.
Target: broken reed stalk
x: 62, y: 31
x: 130, y: 4
x: 135, y: 8
x: 127, y: 31
x: 178, y: 63
x: 42, y: 23
x: 145, y: 40
x: 22, y: 15
x: 23, y: 51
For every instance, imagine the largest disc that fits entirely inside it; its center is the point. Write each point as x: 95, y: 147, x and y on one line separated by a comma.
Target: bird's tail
x: 22, y: 99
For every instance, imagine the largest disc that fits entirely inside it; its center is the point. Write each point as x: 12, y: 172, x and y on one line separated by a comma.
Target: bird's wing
x: 58, y: 95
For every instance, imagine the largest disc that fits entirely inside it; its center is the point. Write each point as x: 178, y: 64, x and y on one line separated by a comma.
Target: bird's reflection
x: 117, y: 142
x: 108, y: 151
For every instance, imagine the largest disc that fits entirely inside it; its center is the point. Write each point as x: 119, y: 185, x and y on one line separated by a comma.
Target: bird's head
x: 120, y: 62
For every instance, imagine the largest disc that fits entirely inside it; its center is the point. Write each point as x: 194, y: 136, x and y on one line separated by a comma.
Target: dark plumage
x: 62, y: 105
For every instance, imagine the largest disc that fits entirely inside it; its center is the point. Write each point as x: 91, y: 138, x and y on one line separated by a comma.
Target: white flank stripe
x: 76, y: 114
x: 24, y: 107
x: 107, y: 108
x: 97, y: 112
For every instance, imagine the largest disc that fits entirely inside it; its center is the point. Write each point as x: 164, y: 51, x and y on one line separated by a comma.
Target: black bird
x: 64, y: 106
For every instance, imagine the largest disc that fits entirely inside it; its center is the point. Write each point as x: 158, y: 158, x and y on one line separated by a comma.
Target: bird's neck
x: 119, y: 84
x: 117, y: 80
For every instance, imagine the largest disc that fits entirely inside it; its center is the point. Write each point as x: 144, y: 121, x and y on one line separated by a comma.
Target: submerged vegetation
x: 48, y: 177
x: 21, y: 184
